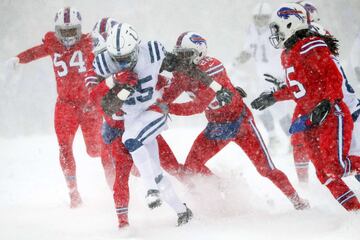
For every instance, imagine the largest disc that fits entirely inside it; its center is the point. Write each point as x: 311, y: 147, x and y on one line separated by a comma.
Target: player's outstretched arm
x: 32, y: 54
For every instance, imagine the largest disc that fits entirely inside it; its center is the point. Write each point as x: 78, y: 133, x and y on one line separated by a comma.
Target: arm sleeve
x: 198, y: 105
x: 33, y: 54
x: 283, y: 94
x: 174, y: 90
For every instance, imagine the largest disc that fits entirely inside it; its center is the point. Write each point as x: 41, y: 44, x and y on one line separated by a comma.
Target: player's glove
x: 112, y: 102
x: 266, y: 99
x: 224, y: 96
x: 241, y: 91
x: 126, y: 78
x: 12, y: 63
x: 314, y: 119
x: 270, y: 78
x: 160, y: 106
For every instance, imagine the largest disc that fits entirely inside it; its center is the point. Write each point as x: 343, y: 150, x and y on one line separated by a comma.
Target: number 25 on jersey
x: 76, y: 60
x: 292, y: 82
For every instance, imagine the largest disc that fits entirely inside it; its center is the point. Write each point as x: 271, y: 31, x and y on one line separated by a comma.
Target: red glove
x: 127, y: 77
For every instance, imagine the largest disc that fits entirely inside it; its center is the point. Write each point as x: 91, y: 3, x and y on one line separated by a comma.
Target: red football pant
x: 328, y: 146
x: 68, y: 117
x: 301, y: 158
x: 250, y: 141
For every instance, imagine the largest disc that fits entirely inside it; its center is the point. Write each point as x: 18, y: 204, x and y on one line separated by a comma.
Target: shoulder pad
x: 49, y: 36
x: 156, y: 51
x: 312, y: 44
x: 211, y: 66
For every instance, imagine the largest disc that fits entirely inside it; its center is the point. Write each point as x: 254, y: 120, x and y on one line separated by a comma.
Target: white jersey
x: 147, y: 68
x: 266, y: 57
x: 350, y: 98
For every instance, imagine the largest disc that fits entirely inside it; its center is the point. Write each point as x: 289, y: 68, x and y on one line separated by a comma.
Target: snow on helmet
x: 123, y: 45
x: 68, y: 26
x: 285, y: 22
x: 191, y: 46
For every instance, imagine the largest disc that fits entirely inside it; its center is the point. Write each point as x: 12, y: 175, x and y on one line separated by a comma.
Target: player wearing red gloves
x: 229, y: 120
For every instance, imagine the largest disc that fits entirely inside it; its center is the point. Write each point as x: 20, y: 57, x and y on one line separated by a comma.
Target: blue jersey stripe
x: 104, y: 62
x: 157, y: 51
x: 151, y: 52
x: 99, y: 65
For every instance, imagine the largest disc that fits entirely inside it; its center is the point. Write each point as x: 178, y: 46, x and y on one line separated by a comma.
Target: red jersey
x: 311, y: 75
x: 70, y: 65
x: 204, y: 97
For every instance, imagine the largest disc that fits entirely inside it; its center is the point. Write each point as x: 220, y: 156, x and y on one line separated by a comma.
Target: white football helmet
x: 104, y: 25
x: 123, y: 45
x: 311, y: 10
x: 261, y: 14
x: 99, y: 43
x: 285, y: 22
x: 68, y: 26
x: 192, y: 46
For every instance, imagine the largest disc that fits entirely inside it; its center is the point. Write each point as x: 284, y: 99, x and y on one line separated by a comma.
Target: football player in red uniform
x: 314, y: 82
x: 228, y: 120
x: 71, y: 54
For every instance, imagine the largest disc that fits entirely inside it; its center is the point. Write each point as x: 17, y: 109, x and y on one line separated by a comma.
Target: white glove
x: 12, y: 64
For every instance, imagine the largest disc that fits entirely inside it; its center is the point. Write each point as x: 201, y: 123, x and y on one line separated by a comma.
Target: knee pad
x: 132, y: 144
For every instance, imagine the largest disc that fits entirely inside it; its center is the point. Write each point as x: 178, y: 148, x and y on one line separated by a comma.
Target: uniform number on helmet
x: 146, y: 92
x: 76, y: 60
x: 301, y: 90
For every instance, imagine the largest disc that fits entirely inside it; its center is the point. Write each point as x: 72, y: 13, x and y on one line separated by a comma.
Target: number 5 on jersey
x: 76, y: 60
x: 292, y: 82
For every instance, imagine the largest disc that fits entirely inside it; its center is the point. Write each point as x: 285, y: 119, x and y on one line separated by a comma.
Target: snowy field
x: 34, y: 200
x: 34, y: 203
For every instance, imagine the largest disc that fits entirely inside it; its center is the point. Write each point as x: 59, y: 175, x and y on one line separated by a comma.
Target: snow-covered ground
x: 34, y: 199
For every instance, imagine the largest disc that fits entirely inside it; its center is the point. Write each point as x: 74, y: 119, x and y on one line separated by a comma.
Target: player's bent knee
x: 132, y: 144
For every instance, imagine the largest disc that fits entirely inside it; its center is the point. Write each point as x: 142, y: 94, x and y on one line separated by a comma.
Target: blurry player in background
x: 228, y: 121
x: 355, y: 57
x: 71, y: 54
x: 314, y: 82
x: 258, y: 49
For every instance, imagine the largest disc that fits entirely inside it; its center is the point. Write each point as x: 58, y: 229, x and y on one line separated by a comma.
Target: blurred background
x: 29, y: 94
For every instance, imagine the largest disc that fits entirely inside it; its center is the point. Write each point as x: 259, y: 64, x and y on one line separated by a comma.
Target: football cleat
x: 75, y: 199
x: 153, y: 198
x: 299, y: 203
x: 184, y: 217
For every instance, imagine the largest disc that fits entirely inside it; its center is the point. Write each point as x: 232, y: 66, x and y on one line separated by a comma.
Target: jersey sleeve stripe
x: 215, y: 72
x: 312, y: 47
x: 98, y: 65
x: 104, y: 62
x: 151, y: 52
x: 217, y: 67
x: 312, y: 42
x: 157, y: 51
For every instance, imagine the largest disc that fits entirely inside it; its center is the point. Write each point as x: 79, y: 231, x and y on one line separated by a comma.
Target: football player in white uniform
x: 124, y: 51
x: 264, y: 56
